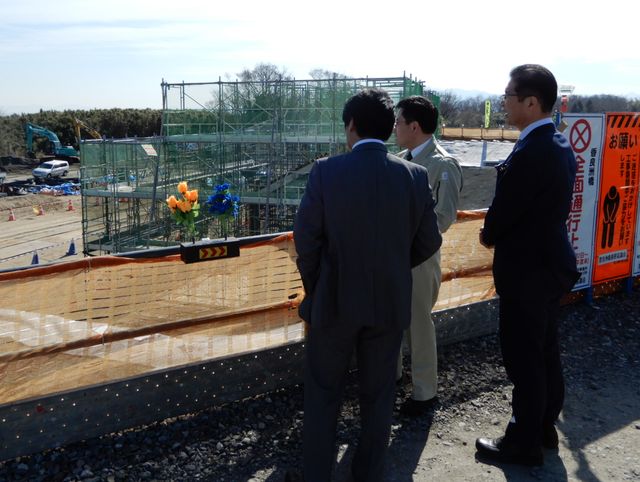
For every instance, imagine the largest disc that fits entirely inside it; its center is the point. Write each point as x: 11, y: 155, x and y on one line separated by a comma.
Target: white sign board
x: 585, y: 133
x: 149, y: 149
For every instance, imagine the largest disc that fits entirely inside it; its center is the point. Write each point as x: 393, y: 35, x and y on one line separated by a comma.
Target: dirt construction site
x: 44, y: 225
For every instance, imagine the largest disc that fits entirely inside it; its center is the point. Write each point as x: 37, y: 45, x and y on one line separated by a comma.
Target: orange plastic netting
x: 102, y: 319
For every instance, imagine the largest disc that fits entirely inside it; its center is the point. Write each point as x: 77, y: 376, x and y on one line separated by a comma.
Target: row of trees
x: 110, y: 123
x: 122, y: 123
x: 455, y: 111
x: 459, y: 111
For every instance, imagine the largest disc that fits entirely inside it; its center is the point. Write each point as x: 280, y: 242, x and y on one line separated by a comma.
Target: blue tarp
x: 67, y: 189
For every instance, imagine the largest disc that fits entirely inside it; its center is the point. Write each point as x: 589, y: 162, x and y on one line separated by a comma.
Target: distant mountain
x: 464, y: 93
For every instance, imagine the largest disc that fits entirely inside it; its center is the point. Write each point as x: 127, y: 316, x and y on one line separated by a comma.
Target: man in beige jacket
x: 416, y: 121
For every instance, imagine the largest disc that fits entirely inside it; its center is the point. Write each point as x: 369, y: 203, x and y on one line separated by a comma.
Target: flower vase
x: 225, y: 227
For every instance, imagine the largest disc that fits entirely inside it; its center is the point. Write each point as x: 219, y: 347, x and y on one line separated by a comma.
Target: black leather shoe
x: 416, y: 408
x: 499, y: 450
x: 549, y: 437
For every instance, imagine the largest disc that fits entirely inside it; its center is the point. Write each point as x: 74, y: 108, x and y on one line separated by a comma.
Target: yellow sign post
x: 487, y: 114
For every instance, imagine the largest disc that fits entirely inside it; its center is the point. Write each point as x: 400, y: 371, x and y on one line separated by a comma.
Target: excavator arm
x: 57, y: 149
x: 79, y: 125
x: 37, y: 131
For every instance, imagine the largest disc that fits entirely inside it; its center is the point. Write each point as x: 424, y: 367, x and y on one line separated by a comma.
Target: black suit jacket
x: 527, y: 218
x: 366, y: 218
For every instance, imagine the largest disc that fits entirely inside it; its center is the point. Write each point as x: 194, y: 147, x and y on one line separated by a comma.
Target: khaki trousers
x: 420, y: 338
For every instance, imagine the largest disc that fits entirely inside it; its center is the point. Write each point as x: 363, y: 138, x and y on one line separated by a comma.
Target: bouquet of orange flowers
x: 185, y: 210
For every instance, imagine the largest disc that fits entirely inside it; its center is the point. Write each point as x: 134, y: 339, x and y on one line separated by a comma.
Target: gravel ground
x: 258, y: 439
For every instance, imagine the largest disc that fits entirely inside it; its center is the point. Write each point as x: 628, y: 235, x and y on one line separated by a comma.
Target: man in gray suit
x: 365, y: 220
x: 416, y: 122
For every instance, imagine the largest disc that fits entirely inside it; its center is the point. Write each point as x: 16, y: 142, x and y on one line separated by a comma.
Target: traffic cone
x: 35, y: 260
x: 12, y: 217
x: 38, y: 211
x: 70, y: 206
x: 72, y: 249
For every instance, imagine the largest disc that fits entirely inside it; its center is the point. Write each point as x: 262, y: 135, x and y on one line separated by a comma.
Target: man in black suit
x: 533, y: 265
x: 366, y: 218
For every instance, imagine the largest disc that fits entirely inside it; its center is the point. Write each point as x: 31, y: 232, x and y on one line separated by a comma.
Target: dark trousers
x: 328, y: 355
x: 531, y: 355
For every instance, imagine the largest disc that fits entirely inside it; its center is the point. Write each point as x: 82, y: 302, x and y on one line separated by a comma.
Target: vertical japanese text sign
x: 585, y: 133
x: 617, y: 206
x: 487, y: 114
x: 634, y: 138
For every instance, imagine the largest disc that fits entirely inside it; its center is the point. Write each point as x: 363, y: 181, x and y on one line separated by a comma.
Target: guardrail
x: 469, y: 133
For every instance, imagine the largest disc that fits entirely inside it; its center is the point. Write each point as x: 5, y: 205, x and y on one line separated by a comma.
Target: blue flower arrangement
x: 223, y: 205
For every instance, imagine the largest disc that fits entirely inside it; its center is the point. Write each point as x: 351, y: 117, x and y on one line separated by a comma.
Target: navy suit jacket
x: 527, y: 218
x: 366, y: 218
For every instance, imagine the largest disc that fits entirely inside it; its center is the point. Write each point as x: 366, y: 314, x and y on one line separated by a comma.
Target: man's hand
x: 480, y: 238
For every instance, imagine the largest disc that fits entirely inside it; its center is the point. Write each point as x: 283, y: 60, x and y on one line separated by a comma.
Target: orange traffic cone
x: 70, y: 206
x: 12, y: 217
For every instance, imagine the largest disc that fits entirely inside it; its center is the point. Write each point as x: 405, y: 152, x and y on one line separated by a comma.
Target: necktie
x: 408, y: 157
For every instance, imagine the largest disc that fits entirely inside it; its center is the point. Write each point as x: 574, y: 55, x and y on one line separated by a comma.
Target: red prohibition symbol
x: 580, y: 136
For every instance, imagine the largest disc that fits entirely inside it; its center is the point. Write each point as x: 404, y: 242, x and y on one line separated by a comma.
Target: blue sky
x: 84, y: 54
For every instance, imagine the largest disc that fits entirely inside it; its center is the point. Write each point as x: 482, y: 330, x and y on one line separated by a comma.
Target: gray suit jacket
x: 365, y: 220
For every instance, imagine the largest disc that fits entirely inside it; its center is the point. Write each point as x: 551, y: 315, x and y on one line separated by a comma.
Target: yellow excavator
x: 79, y: 126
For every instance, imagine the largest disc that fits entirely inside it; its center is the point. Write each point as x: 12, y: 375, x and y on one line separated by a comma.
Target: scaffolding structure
x: 260, y: 137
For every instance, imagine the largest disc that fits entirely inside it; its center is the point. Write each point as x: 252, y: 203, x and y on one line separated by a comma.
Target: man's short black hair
x: 372, y: 113
x: 537, y: 81
x: 421, y: 110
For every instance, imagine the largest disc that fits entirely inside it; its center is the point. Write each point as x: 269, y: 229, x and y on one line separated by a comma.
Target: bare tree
x: 449, y: 107
x: 601, y: 103
x: 263, y: 73
x: 319, y: 74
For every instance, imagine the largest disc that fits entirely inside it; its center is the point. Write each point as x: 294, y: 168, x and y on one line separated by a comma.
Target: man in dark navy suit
x: 366, y: 218
x: 533, y: 266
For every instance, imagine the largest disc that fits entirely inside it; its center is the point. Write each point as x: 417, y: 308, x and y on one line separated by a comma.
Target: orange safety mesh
x: 102, y: 319
x: 466, y: 264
